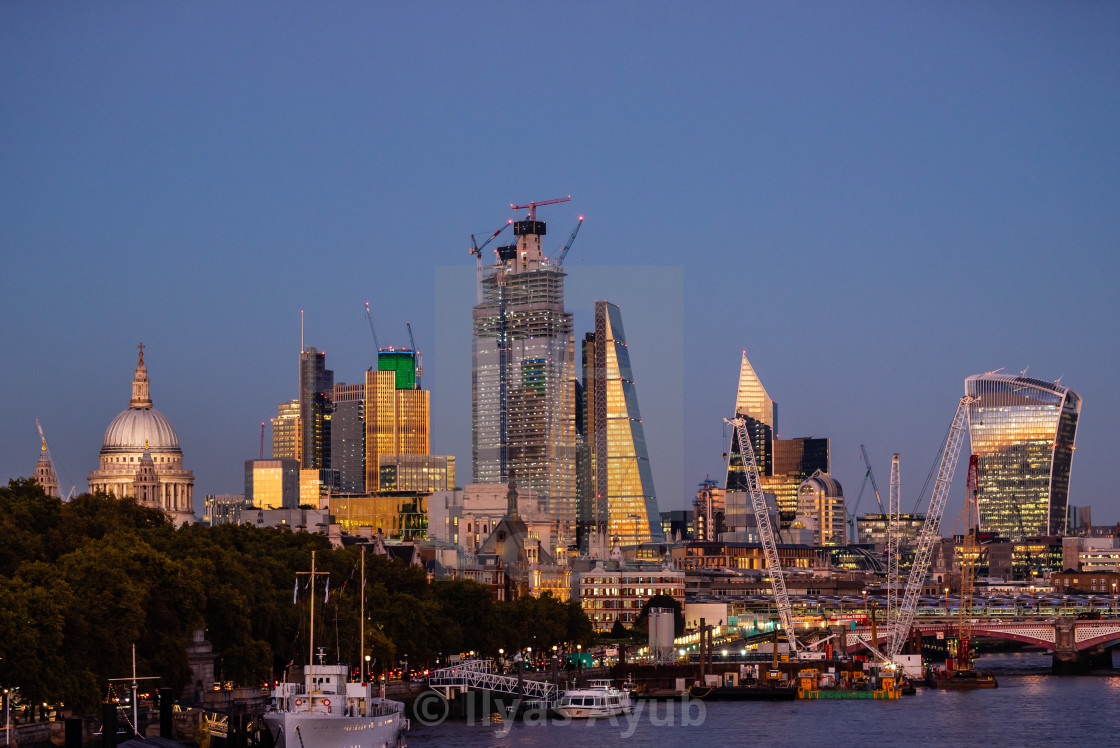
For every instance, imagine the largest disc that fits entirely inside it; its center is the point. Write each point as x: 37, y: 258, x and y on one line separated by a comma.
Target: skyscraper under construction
x: 522, y: 387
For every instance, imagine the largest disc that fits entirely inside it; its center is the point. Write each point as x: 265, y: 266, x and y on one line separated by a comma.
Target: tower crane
x: 855, y: 510
x: 369, y: 317
x: 532, y: 206
x: 931, y: 529
x: 476, y: 250
x: 416, y: 353
x: 571, y: 240
x: 871, y: 475
x: 765, y: 531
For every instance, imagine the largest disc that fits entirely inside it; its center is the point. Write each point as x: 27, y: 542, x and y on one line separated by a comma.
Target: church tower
x: 44, y: 473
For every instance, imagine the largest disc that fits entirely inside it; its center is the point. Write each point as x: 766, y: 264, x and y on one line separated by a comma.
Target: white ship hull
x: 303, y: 730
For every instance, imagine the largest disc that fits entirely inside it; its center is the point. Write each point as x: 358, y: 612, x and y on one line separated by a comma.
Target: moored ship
x: 325, y: 711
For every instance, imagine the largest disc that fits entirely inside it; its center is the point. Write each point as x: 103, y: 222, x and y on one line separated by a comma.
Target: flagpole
x: 362, y: 638
x: 311, y: 638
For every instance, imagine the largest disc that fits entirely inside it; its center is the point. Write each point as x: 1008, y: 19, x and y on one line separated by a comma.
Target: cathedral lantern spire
x: 141, y: 398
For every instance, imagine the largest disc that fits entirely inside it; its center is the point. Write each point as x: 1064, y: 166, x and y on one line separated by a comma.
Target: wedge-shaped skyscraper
x: 621, y: 484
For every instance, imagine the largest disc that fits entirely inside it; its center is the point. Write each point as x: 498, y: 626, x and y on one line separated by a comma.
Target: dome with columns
x: 141, y: 458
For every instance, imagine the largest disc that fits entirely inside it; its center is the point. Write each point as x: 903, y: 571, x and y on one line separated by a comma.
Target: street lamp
x: 1114, y: 597
x: 946, y: 599
x: 8, y: 716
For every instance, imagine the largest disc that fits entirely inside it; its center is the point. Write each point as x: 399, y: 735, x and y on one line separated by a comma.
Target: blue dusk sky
x: 874, y: 199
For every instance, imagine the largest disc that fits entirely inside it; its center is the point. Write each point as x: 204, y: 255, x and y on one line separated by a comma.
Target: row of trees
x: 80, y: 582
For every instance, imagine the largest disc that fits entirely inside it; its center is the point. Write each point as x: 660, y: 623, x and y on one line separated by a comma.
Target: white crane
x: 931, y: 530
x: 894, y: 503
x: 765, y: 531
x: 51, y: 458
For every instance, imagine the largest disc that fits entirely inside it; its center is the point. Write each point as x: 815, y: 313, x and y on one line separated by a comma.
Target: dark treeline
x: 80, y: 582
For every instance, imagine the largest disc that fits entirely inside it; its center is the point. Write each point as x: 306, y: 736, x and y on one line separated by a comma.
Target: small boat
x: 743, y: 693
x: 598, y: 699
x: 960, y: 679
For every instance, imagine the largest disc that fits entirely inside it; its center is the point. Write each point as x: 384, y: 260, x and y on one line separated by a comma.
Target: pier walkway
x: 476, y: 675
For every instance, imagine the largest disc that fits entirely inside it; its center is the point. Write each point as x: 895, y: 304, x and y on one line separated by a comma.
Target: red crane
x: 532, y: 207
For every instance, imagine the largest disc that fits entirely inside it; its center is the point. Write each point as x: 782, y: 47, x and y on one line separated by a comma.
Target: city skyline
x: 874, y: 211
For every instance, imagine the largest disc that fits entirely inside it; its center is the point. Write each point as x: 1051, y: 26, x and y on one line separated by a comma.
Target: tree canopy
x: 82, y: 581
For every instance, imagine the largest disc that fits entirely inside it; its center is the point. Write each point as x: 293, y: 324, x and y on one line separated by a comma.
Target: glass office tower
x: 316, y: 385
x: 621, y: 483
x: 1024, y: 431
x: 522, y: 385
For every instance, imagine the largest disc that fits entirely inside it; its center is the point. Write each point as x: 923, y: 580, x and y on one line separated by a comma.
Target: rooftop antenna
x: 301, y: 348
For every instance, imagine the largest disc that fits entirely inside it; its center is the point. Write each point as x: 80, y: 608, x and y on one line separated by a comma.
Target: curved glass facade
x: 1024, y: 432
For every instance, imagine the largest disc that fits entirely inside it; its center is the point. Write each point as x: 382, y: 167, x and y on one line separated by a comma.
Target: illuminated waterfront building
x: 620, y: 479
x: 272, y: 484
x: 1024, y: 431
x: 522, y: 386
x: 416, y: 473
x: 872, y: 529
x: 141, y: 458
x: 287, y: 439
x: 316, y: 383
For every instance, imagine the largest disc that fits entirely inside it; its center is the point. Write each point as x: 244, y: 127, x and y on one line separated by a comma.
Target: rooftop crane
x: 476, y: 250
x: 871, y: 475
x: 765, y: 531
x: 931, y: 529
x: 532, y: 206
x: 571, y: 240
x: 416, y: 354
x: 369, y: 316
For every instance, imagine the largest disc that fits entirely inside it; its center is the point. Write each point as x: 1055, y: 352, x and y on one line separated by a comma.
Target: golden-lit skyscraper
x: 782, y: 463
x: 287, y: 441
x: 621, y: 482
x: 1024, y: 431
x: 397, y: 417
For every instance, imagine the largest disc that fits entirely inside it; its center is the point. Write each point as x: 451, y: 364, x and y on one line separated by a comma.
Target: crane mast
x: 571, y: 241
x: 970, y: 556
x: 871, y: 474
x: 416, y: 353
x: 893, y: 541
x: 765, y: 531
x: 931, y: 530
x: 476, y: 250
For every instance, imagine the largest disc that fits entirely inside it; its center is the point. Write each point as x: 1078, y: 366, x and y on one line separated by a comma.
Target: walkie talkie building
x: 1024, y: 431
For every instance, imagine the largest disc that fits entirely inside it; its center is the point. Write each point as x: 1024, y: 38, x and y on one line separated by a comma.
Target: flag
x: 327, y: 591
x: 295, y: 592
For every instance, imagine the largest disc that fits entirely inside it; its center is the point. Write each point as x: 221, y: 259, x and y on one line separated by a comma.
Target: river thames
x: 1030, y: 708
